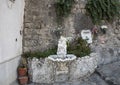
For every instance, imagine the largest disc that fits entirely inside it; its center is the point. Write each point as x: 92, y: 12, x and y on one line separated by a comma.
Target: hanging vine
x: 63, y: 9
x: 106, y: 10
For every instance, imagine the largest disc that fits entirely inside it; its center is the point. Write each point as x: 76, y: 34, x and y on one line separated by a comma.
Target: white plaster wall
x: 11, y: 22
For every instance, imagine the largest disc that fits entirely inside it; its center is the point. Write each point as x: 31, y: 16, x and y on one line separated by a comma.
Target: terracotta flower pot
x: 22, y: 71
x: 23, y: 80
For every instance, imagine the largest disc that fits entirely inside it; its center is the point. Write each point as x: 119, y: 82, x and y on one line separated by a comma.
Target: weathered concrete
x: 83, y: 67
x: 11, y: 26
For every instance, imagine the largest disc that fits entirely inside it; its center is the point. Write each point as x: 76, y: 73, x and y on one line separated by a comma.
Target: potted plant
x: 23, y: 80
x: 22, y: 69
x: 22, y: 72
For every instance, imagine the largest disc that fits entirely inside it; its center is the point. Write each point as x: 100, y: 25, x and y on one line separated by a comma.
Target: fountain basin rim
x: 69, y: 57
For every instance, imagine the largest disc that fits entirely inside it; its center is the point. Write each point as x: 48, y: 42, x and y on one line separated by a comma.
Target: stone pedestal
x: 62, y: 67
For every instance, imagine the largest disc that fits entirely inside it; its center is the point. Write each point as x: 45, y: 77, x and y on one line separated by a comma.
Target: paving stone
x: 92, y: 80
x: 111, y: 73
x: 97, y: 79
x: 14, y: 83
x: 64, y: 83
x: 39, y: 84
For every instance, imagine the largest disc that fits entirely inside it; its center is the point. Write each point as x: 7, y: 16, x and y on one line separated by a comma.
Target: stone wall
x: 110, y: 50
x: 40, y: 24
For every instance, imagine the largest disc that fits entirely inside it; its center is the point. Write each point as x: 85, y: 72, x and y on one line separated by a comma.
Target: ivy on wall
x: 63, y: 9
x: 106, y: 10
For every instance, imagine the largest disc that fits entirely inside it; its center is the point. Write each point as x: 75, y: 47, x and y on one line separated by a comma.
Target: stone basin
x: 68, y: 57
x: 54, y: 69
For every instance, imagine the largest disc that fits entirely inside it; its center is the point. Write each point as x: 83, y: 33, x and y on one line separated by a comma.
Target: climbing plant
x: 63, y: 9
x: 106, y: 10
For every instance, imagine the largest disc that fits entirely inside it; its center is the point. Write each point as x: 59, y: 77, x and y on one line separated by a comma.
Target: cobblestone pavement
x: 108, y: 74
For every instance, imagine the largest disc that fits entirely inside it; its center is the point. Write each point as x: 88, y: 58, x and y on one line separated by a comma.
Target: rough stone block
x: 28, y: 25
x: 30, y: 43
x: 83, y: 66
x: 61, y: 78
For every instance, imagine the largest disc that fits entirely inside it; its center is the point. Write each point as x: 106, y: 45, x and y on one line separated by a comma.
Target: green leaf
x: 103, y: 9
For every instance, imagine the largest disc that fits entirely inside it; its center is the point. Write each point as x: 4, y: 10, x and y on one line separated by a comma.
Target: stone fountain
x: 62, y: 61
x: 62, y: 66
x: 62, y: 52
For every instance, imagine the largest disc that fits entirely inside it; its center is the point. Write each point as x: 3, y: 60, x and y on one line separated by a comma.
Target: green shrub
x: 79, y: 47
x: 40, y: 54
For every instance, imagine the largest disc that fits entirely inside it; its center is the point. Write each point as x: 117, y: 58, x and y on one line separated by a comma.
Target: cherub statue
x: 62, y: 47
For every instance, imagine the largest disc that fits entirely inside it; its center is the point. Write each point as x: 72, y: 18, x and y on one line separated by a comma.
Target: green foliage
x: 79, y: 47
x: 39, y: 54
x: 103, y: 10
x: 63, y: 9
x: 23, y: 63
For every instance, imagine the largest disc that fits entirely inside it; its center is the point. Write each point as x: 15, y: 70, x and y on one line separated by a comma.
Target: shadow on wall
x: 81, y: 21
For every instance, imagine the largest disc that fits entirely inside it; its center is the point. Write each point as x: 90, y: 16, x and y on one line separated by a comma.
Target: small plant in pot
x: 22, y: 68
x: 22, y: 72
x: 23, y: 80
